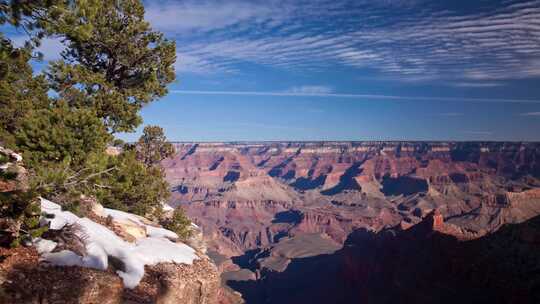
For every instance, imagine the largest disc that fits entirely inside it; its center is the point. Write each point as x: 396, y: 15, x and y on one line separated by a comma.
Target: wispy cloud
x: 476, y: 84
x: 310, y: 90
x: 415, y: 39
x: 530, y: 114
x: 204, y: 15
x: 352, y: 96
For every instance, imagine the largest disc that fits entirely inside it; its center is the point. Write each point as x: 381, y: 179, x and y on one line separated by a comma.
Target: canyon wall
x: 249, y: 195
x: 265, y: 206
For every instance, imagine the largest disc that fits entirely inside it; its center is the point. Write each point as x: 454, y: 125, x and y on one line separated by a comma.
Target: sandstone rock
x: 98, y: 209
x: 172, y: 283
x: 129, y: 230
x: 24, y: 280
x: 196, y: 239
x: 113, y: 151
x: 246, y: 212
x: 14, y: 175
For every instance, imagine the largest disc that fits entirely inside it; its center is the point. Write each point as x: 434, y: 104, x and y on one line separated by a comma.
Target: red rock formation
x: 239, y: 193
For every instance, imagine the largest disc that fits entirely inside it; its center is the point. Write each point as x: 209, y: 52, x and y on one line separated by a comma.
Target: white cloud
x: 474, y: 50
x: 476, y: 84
x: 530, y: 114
x: 310, y: 90
x: 353, y: 96
x: 198, y: 65
x: 203, y: 15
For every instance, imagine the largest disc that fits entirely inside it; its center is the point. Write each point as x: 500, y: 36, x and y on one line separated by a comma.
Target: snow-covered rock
x: 176, y: 273
x: 102, y: 243
x: 44, y: 246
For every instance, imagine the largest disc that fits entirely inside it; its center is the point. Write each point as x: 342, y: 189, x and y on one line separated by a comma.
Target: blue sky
x: 349, y: 70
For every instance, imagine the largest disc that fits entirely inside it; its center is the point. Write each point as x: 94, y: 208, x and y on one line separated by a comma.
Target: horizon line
x: 355, y: 141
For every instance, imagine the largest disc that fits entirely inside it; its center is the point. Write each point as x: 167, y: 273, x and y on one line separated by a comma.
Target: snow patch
x: 122, y: 216
x: 102, y: 243
x: 56, y: 218
x: 63, y: 258
x: 166, y: 207
x: 151, y: 231
x: 44, y: 246
x: 18, y: 157
x: 160, y: 233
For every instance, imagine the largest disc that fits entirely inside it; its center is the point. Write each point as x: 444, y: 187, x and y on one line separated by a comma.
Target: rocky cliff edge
x: 107, y: 257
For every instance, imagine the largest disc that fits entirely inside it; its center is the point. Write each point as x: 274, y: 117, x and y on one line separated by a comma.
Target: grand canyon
x: 269, y: 152
x: 366, y: 222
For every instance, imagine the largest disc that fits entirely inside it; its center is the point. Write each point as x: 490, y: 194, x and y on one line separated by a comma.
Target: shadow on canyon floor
x: 346, y: 181
x: 418, y: 265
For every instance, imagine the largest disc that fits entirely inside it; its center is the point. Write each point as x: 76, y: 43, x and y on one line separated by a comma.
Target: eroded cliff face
x: 426, y: 263
x: 250, y: 197
x: 275, y: 215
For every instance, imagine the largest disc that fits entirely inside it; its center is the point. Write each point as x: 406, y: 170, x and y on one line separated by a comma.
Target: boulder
x: 169, y: 283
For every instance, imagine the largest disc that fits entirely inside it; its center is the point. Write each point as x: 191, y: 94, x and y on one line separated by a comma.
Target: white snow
x: 122, y: 216
x: 166, y: 207
x: 44, y: 246
x: 160, y: 232
x: 63, y: 258
x: 17, y: 157
x: 102, y: 242
x: 60, y: 219
x: 151, y: 231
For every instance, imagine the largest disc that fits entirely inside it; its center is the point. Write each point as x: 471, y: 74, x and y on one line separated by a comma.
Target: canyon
x: 275, y: 210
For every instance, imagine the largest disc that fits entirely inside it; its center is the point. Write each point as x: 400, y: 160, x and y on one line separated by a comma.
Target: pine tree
x: 113, y: 59
x: 20, y: 91
x: 179, y: 223
x: 133, y: 187
x: 153, y: 147
x: 62, y: 120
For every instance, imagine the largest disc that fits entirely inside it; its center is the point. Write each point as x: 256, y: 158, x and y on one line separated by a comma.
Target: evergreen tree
x: 153, y: 147
x: 58, y: 133
x: 62, y: 120
x: 179, y: 223
x: 134, y: 187
x: 20, y: 91
x: 113, y: 59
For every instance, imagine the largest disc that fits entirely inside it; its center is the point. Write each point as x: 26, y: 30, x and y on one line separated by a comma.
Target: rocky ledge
x: 108, y: 257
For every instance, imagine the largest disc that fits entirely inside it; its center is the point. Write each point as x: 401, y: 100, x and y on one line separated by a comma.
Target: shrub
x: 179, y: 223
x: 133, y: 187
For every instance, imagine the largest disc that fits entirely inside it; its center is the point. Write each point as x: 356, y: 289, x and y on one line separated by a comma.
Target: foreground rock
x: 107, y: 257
x: 24, y: 279
x: 27, y: 277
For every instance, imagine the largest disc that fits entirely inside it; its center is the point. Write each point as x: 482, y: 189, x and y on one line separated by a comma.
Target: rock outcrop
x: 11, y: 166
x: 99, y: 258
